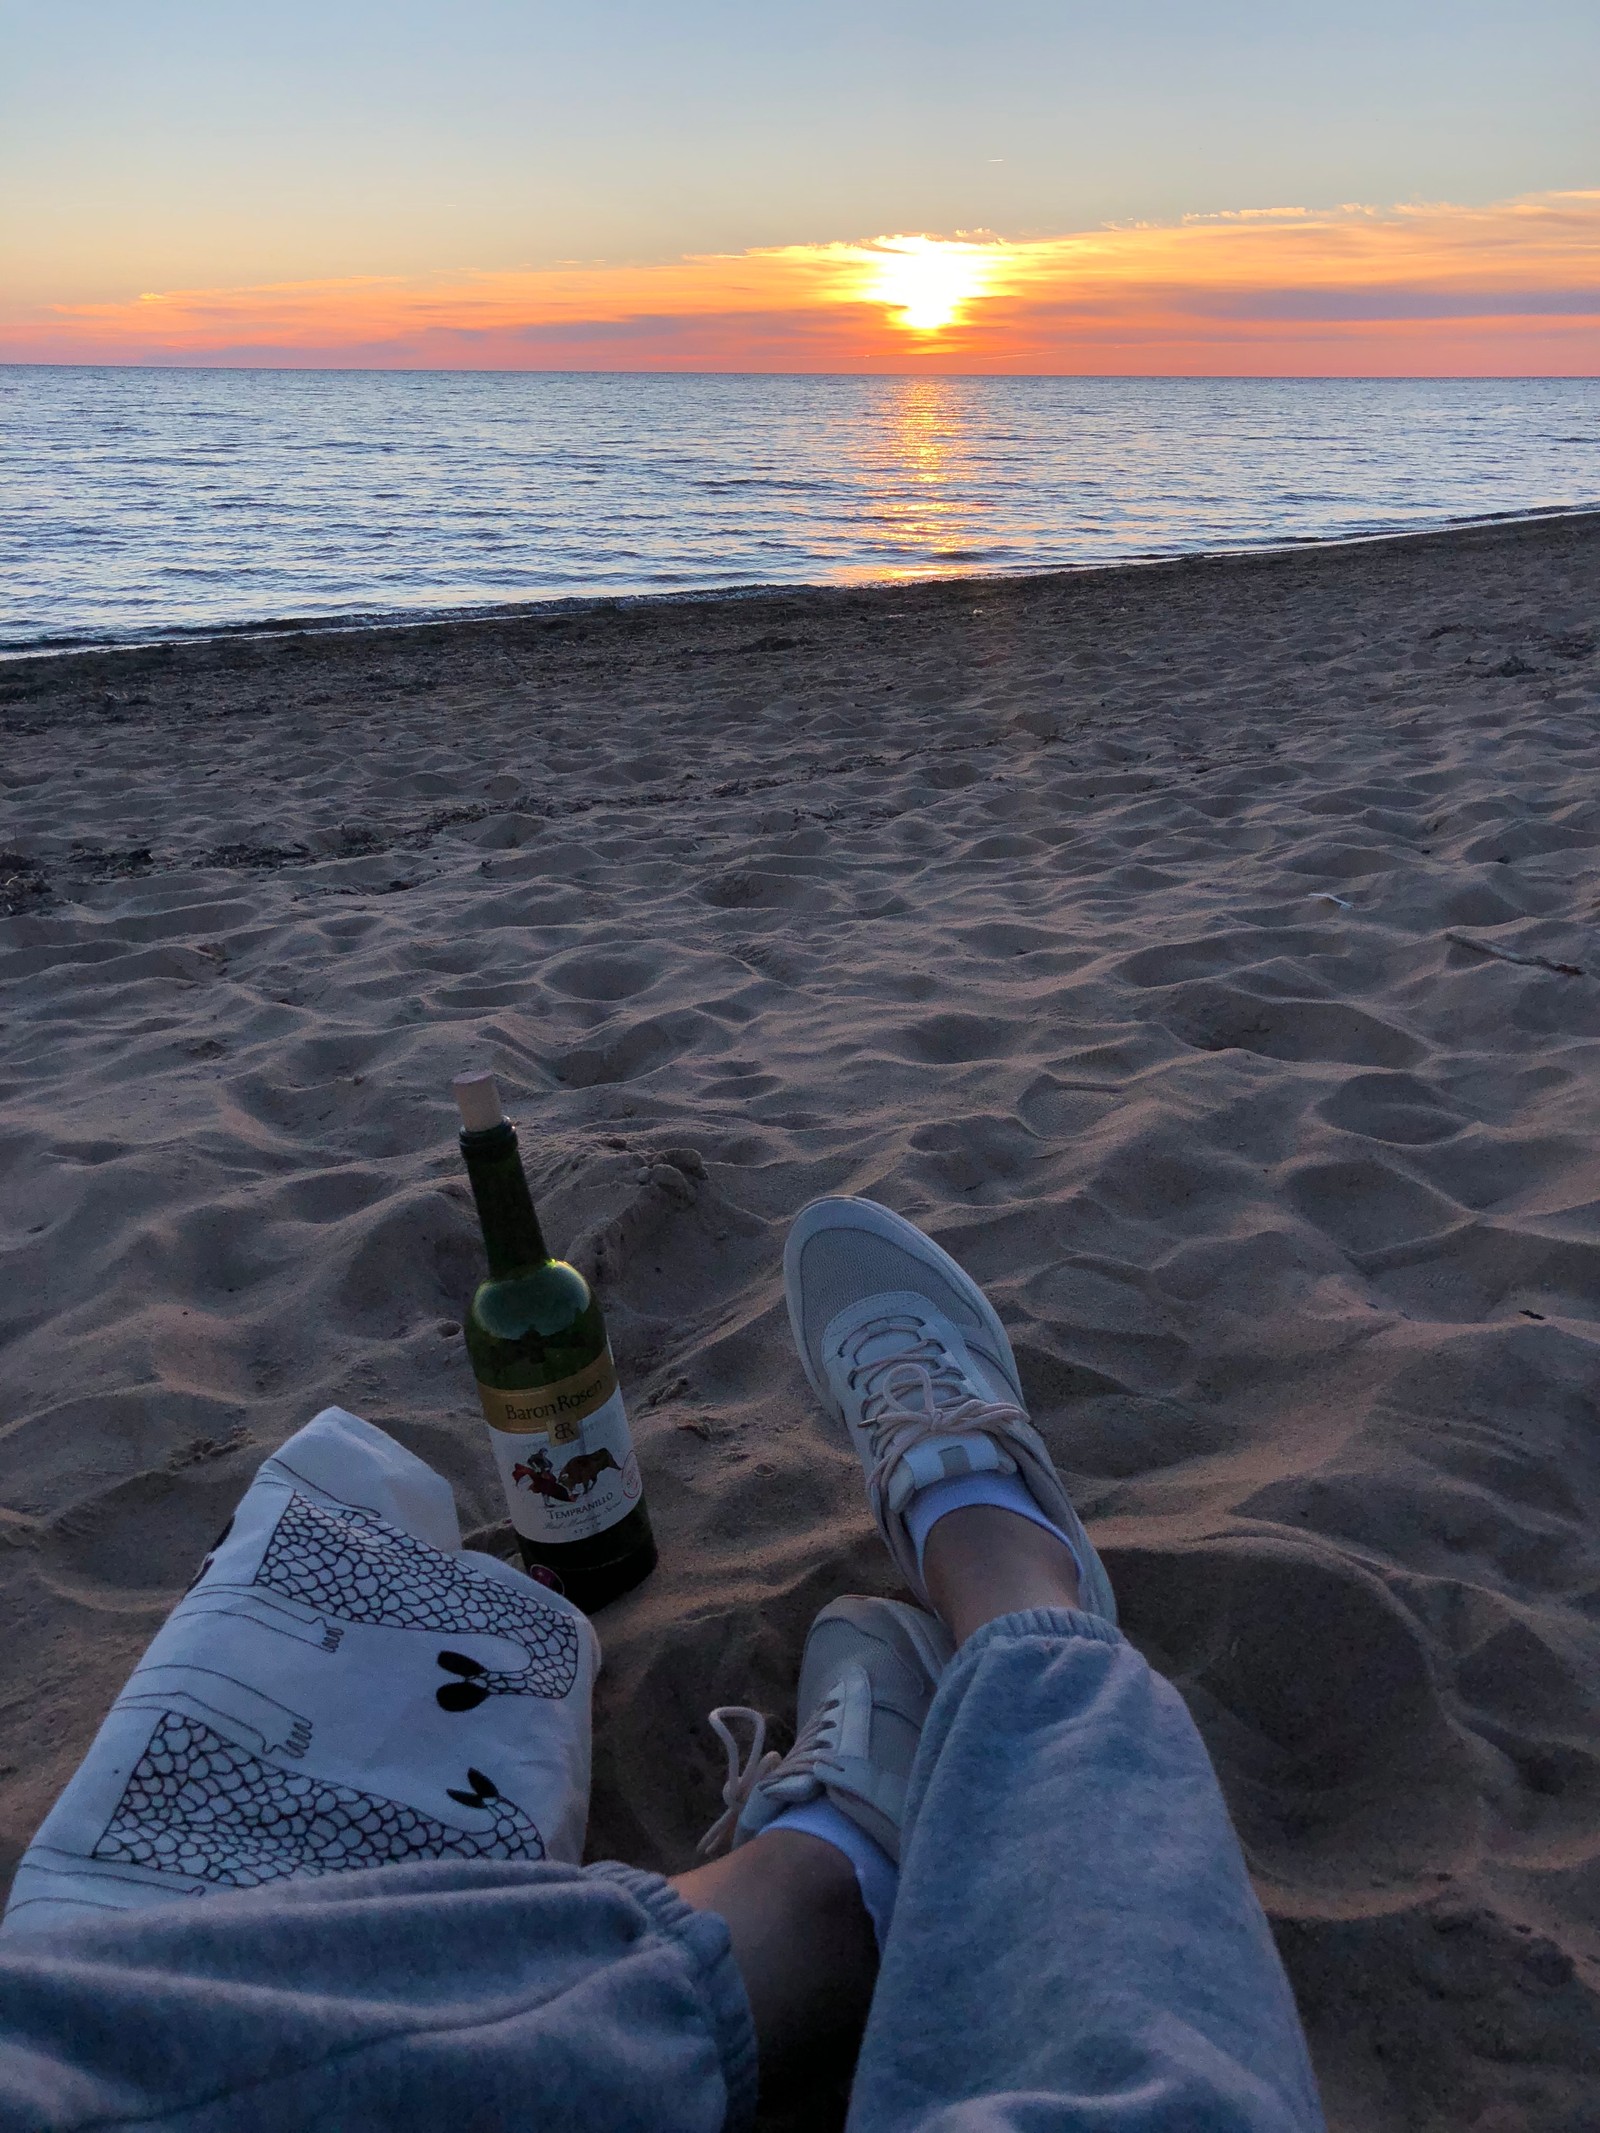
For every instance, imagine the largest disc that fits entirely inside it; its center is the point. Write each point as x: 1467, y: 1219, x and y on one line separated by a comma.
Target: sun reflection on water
x: 926, y: 510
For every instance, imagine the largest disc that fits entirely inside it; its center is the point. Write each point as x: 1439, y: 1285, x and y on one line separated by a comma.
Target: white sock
x: 877, y: 1876
x: 1006, y: 1492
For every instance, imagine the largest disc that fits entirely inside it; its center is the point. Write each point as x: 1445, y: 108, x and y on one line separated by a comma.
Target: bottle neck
x: 511, y: 1232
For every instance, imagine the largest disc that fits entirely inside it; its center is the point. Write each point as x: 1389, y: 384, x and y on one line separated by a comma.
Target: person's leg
x: 473, y: 1994
x: 792, y: 1903
x: 980, y: 1563
x: 802, y: 1941
x: 808, y: 1888
x: 1075, y: 1941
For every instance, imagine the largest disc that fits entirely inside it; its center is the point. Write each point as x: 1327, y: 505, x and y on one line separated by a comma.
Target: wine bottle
x: 548, y: 1384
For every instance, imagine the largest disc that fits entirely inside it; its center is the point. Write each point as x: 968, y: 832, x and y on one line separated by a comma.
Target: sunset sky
x: 1022, y: 187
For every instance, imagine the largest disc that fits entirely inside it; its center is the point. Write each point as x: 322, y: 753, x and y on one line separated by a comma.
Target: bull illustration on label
x: 575, y: 1480
x: 579, y: 1475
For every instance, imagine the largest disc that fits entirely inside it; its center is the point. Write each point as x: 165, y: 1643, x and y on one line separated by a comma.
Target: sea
x: 143, y: 504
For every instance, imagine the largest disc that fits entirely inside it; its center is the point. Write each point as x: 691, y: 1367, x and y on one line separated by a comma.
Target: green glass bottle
x: 548, y: 1383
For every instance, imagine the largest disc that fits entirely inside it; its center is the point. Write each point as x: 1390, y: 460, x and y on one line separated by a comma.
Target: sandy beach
x: 1207, y: 954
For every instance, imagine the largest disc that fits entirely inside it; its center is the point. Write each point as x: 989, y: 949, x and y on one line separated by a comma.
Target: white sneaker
x: 904, y: 1348
x: 867, y: 1677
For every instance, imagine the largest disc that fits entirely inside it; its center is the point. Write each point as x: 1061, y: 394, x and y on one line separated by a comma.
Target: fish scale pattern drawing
x: 357, y: 1568
x: 197, y: 1805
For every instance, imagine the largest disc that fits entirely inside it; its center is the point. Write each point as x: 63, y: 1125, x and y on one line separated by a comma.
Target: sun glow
x: 926, y: 281
x: 1512, y: 288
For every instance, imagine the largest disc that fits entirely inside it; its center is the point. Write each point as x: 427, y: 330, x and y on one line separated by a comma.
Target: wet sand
x: 1207, y: 954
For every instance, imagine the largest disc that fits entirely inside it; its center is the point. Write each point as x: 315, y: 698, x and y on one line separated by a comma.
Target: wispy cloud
x: 1433, y: 288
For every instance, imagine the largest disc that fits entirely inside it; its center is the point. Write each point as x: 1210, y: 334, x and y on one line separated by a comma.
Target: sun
x: 926, y: 281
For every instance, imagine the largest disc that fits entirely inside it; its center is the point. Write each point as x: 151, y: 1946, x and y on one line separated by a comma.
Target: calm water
x: 135, y: 503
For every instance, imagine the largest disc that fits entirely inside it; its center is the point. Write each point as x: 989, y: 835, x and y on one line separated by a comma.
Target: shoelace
x: 919, y: 1348
x: 811, y: 1744
x: 948, y: 1408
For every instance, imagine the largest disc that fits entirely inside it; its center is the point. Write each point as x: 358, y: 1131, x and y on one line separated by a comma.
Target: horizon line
x: 921, y: 376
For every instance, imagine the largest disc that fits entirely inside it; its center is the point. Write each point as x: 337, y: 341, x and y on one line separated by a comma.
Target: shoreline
x: 538, y: 607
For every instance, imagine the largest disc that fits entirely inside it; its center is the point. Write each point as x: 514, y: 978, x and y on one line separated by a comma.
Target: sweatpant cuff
x: 703, y: 1937
x: 1040, y: 1622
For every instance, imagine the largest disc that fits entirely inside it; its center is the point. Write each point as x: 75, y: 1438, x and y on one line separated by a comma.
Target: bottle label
x: 555, y: 1411
x: 567, y: 1475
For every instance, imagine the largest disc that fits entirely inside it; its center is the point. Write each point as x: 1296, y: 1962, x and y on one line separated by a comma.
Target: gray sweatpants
x: 1076, y: 1946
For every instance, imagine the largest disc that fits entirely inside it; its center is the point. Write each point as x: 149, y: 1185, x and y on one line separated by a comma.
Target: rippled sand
x: 1207, y: 954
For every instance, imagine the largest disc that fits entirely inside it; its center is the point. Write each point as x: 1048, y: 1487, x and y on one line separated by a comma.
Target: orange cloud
x: 1441, y: 289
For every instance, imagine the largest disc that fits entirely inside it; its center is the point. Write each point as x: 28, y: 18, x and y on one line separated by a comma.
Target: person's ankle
x: 984, y: 1562
x: 802, y: 1940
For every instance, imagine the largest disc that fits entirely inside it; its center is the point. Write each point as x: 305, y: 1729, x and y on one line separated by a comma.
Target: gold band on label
x: 555, y: 1411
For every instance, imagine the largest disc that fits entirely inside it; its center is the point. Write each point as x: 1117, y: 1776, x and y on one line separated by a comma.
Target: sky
x: 1030, y: 185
